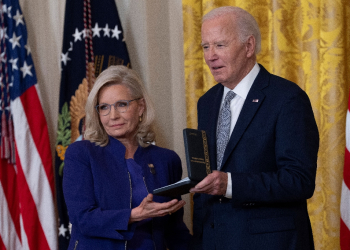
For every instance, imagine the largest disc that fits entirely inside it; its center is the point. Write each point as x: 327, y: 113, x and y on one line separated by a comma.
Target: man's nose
x: 211, y: 53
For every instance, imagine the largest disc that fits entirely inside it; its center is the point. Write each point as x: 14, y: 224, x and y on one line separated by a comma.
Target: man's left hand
x: 214, y: 184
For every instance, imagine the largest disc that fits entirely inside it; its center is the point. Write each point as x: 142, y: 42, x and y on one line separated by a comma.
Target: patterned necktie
x: 223, y: 128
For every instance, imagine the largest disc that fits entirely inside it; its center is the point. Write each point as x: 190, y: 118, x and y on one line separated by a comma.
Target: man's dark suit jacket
x: 272, y: 157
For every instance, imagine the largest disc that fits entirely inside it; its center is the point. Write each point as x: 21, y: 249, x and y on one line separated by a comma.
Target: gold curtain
x: 307, y: 42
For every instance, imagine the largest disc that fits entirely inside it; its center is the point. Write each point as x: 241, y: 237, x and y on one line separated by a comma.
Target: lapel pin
x: 151, y: 168
x: 255, y: 100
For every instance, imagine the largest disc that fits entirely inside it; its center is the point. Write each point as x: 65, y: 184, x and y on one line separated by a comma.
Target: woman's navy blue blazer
x: 97, y: 191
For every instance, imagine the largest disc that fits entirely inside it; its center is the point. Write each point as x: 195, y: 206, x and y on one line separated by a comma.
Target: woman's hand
x: 149, y: 209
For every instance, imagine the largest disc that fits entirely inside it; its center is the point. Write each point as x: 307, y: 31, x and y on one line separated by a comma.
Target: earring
x: 140, y: 119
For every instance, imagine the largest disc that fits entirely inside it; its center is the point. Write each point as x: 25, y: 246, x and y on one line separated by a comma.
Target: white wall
x: 153, y: 33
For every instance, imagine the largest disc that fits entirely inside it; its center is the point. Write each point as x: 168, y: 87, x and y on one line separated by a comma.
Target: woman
x: 109, y: 177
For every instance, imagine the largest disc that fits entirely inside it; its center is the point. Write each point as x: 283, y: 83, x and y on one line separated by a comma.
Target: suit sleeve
x: 296, y: 143
x: 84, y: 212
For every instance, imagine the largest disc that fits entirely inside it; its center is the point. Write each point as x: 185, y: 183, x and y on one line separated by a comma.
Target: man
x: 263, y: 143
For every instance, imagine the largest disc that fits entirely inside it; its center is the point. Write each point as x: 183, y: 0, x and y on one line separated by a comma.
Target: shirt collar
x: 245, y: 84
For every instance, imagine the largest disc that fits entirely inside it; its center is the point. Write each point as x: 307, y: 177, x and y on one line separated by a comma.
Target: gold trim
x: 206, y: 153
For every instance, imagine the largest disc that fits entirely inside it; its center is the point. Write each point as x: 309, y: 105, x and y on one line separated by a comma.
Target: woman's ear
x: 142, y: 106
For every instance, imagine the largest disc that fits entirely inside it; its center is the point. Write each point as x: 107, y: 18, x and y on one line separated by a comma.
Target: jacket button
x: 212, y: 225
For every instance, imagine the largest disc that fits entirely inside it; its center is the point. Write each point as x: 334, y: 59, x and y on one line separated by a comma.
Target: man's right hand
x: 214, y: 184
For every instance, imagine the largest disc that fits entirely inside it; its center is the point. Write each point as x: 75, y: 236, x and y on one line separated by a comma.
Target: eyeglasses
x: 122, y: 106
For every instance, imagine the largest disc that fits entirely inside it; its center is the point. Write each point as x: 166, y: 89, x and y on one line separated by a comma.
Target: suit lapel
x: 251, y: 105
x: 214, y: 113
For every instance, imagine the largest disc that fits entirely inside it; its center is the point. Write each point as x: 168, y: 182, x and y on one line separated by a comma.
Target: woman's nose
x: 114, y: 113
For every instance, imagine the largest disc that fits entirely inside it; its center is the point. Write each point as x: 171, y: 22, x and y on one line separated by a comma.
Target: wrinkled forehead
x: 219, y: 28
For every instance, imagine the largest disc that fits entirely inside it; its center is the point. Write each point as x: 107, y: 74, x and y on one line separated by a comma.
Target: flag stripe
x: 8, y: 180
x: 24, y: 236
x: 8, y: 233
x: 346, y: 174
x: 2, y: 246
x: 345, y: 192
x: 36, y: 178
x: 36, y: 119
x: 344, y: 236
x: 345, y: 205
x: 31, y: 221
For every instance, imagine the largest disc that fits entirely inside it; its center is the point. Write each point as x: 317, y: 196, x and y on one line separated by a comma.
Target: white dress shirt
x: 236, y: 104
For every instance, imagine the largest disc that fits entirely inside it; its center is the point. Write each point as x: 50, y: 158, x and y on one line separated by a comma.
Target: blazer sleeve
x: 84, y: 211
x: 296, y: 141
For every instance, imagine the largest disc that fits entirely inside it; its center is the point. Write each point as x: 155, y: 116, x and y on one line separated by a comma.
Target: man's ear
x: 250, y: 46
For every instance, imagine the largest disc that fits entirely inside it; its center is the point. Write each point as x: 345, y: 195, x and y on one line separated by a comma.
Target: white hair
x: 245, y: 22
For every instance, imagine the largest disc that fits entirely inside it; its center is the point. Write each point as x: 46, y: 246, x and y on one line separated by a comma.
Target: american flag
x: 345, y: 194
x: 27, y: 213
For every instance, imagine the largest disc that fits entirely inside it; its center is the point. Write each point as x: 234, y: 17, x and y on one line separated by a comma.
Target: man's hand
x: 214, y: 184
x: 149, y: 209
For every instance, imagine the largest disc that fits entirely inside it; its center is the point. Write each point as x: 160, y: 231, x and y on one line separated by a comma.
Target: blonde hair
x: 122, y: 75
x: 245, y: 22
